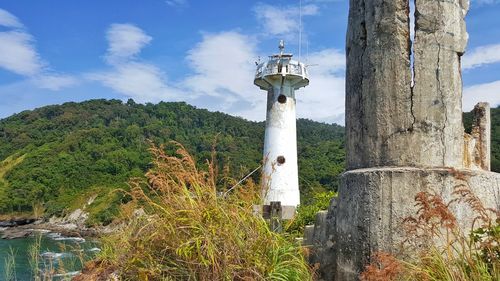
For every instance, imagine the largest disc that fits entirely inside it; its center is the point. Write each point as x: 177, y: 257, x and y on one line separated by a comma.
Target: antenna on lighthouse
x: 300, y: 30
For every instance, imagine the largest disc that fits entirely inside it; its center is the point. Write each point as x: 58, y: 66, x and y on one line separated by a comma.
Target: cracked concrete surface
x: 385, y: 111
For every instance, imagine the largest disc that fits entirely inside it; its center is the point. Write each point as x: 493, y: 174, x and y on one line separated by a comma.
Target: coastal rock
x: 15, y: 233
x: 78, y: 217
x: 16, y: 222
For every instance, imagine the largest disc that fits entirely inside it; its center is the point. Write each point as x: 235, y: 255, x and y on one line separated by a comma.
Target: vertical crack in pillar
x: 412, y: 23
x: 364, y: 40
x: 439, y: 86
x: 443, y: 102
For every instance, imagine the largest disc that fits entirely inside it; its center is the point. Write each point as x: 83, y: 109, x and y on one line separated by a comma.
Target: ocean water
x: 61, y: 255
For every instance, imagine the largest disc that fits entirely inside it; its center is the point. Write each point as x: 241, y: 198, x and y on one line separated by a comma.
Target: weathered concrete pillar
x: 385, y: 112
x: 481, y: 132
x: 378, y: 97
x: 440, y: 41
x: 404, y: 135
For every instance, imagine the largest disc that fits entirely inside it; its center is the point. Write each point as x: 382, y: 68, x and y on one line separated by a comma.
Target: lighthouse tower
x: 280, y: 76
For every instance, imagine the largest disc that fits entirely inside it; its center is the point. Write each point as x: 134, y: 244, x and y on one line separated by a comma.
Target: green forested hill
x: 56, y: 157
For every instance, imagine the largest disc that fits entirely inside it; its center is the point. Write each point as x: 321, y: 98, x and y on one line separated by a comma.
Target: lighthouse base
x: 287, y: 212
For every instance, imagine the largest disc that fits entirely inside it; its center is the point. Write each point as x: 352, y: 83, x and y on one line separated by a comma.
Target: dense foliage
x: 57, y: 157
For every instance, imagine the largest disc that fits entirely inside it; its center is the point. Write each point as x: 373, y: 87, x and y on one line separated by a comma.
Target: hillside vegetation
x: 53, y: 159
x: 57, y: 157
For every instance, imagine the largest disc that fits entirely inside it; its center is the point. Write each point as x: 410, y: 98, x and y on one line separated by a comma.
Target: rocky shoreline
x: 72, y: 225
x: 29, y: 230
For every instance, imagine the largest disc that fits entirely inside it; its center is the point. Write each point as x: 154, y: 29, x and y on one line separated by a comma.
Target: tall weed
x: 10, y: 266
x: 188, y: 230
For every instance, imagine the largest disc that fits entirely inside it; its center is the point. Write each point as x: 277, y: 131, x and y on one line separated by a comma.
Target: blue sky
x: 201, y: 52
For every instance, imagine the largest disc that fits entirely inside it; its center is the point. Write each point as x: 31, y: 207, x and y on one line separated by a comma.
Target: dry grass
x: 385, y: 267
x: 190, y: 232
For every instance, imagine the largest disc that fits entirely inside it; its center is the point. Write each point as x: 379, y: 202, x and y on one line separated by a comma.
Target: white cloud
x: 125, y: 42
x: 323, y: 99
x: 17, y: 53
x: 54, y: 82
x: 224, y: 66
x: 140, y: 81
x: 176, y: 3
x: 9, y: 20
x: 488, y: 92
x: 481, y: 56
x: 327, y: 61
x: 282, y: 21
x: 222, y: 62
x: 17, y: 50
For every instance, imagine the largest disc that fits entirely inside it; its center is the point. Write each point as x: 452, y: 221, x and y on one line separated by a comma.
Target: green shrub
x: 306, y: 214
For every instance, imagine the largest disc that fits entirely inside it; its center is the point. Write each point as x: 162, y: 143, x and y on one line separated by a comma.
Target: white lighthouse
x: 280, y: 76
